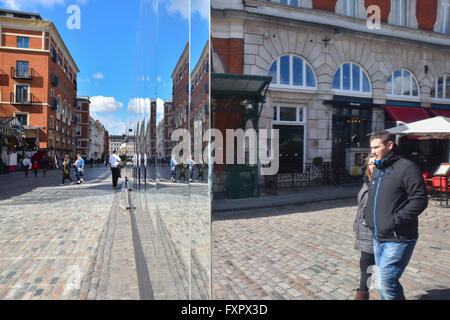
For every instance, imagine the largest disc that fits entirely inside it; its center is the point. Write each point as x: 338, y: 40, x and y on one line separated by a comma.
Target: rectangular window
x: 22, y: 69
x: 78, y: 132
x: 440, y: 88
x: 57, y: 125
x: 445, y: 24
x: 52, y: 122
x: 349, y: 8
x: 447, y: 87
x: 401, y: 12
x: 23, y: 42
x: 22, y: 93
x: 22, y: 118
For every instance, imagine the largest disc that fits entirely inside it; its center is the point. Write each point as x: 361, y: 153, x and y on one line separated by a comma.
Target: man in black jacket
x: 397, y: 196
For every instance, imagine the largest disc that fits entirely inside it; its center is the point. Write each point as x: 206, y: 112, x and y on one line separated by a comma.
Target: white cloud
x: 105, y: 104
x: 32, y: 4
x: 182, y: 7
x: 114, y: 125
x: 98, y: 75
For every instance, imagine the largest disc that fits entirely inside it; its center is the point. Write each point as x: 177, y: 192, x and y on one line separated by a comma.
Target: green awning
x: 245, y: 86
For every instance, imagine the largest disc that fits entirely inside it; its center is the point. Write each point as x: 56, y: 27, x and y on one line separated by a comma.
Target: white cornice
x: 288, y: 14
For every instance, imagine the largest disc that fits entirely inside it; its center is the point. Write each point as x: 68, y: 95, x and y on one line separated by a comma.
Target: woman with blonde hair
x: 364, y: 236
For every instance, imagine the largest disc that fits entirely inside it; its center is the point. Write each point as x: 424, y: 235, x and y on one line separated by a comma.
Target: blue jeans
x: 391, y: 259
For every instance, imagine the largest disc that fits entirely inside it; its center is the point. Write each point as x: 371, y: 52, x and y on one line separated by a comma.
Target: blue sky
x: 115, y: 47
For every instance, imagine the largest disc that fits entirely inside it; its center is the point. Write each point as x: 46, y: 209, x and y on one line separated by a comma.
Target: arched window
x: 402, y: 83
x: 64, y: 108
x: 351, y: 78
x: 292, y: 71
x: 441, y: 88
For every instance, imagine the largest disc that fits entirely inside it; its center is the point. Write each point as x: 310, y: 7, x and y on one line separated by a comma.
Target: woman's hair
x: 366, y: 164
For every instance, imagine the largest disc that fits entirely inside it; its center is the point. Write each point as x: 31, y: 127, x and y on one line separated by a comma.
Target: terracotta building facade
x: 38, y: 81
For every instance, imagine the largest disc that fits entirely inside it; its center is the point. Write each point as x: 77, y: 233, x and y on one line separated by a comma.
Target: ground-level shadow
x: 436, y: 294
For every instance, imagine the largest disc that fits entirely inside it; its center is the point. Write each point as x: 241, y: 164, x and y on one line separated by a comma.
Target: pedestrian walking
x: 26, y: 165
x: 44, y: 165
x: 114, y: 163
x: 191, y: 168
x: 364, y: 236
x: 66, y: 169
x: 173, y: 165
x: 397, y: 196
x: 80, y: 169
x: 35, y: 167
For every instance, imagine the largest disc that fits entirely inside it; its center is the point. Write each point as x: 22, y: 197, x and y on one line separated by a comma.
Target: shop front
x: 352, y: 124
x: 11, y: 144
x: 428, y: 154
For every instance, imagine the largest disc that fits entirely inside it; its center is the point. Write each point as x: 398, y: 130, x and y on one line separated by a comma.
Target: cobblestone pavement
x: 49, y: 234
x: 306, y: 252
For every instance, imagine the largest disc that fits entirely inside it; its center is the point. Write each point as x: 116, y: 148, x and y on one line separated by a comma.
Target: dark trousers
x: 115, y: 175
x: 66, y: 177
x: 366, y: 260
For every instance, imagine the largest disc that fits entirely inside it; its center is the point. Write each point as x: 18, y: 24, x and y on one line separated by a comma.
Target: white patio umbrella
x: 432, y: 128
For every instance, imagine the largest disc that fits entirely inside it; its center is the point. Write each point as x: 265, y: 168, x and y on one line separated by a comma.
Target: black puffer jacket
x: 397, y: 196
x: 364, y: 236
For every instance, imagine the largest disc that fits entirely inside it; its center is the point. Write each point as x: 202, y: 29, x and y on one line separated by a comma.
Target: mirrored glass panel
x: 199, y: 124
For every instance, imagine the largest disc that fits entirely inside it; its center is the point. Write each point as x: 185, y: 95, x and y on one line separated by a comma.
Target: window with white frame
x: 445, y: 22
x: 349, y: 7
x: 290, y: 114
x: 22, y: 118
x: 401, y: 9
x: 351, y: 78
x: 78, y: 132
x: 441, y: 89
x: 22, y: 93
x: 402, y: 83
x: 64, y: 108
x: 295, y: 3
x: 292, y: 71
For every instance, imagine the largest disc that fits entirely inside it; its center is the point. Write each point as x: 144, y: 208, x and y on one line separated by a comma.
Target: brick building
x: 81, y: 130
x: 180, y: 91
x: 334, y: 80
x: 185, y: 117
x: 38, y: 81
x: 199, y: 113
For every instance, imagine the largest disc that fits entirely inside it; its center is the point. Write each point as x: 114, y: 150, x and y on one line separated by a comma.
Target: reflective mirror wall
x: 166, y: 171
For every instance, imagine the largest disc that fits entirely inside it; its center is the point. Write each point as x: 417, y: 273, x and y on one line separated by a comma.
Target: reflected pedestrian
x: 35, y: 167
x: 26, y: 165
x: 173, y: 165
x: 66, y: 169
x: 364, y: 236
x: 114, y: 163
x: 80, y: 168
x: 44, y: 165
x: 191, y: 168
